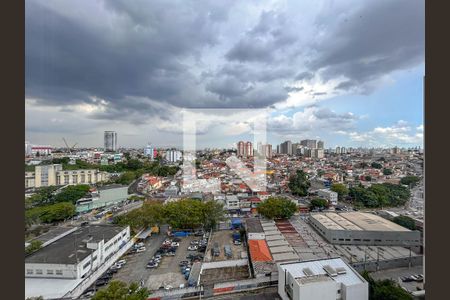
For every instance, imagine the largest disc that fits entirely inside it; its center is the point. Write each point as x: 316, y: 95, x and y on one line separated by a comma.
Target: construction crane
x: 67, y: 145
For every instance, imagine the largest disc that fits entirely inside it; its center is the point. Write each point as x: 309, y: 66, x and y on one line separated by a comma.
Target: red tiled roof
x: 259, y: 251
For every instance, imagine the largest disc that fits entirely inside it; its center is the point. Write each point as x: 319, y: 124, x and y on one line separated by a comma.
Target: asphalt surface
x: 135, y: 269
x: 396, y: 274
x: 168, y: 271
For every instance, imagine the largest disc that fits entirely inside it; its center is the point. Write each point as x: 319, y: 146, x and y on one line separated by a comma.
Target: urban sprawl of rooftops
x: 318, y: 248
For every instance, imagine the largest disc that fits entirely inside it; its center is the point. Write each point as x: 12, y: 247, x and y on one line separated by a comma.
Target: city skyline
x: 352, y: 76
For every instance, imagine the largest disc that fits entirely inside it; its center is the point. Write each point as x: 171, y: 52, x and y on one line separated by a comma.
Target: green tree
x: 50, y: 213
x: 213, y: 212
x: 385, y: 289
x: 340, y: 189
x: 368, y: 178
x: 299, y: 183
x: 34, y: 246
x: 118, y: 290
x: 126, y: 178
x: 405, y: 221
x: 387, y: 171
x: 376, y: 165
x: 72, y: 193
x: 318, y: 203
x: 277, y: 208
x: 410, y: 180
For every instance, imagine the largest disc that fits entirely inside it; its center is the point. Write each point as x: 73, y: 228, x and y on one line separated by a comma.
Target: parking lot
x: 135, y: 269
x: 396, y: 274
x: 168, y: 272
x: 222, y: 238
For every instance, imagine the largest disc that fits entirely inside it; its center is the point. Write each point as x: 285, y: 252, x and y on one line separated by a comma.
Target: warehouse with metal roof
x: 358, y: 228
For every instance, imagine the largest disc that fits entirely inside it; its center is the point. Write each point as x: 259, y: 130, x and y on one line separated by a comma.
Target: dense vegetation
x: 47, y: 207
x: 33, y: 246
x: 49, y: 213
x: 299, y: 183
x: 277, y: 208
x: 410, y: 180
x: 406, y: 222
x: 183, y: 214
x: 380, y: 195
x: 318, y: 203
x: 118, y: 290
x: 340, y: 189
x: 386, y: 289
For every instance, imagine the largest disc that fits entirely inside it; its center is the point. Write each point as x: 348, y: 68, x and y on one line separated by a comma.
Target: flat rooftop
x: 254, y: 225
x: 356, y: 221
x: 316, y: 269
x: 72, y: 247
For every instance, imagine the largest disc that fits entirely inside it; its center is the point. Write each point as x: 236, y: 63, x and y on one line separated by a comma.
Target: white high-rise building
x: 149, y: 151
x: 110, y: 141
x: 173, y: 155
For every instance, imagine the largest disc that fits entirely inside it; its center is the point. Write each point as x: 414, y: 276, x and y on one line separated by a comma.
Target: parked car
x: 101, y: 282
x: 192, y: 248
x: 152, y: 265
x: 183, y: 263
x: 195, y: 242
x: 141, y: 250
x: 237, y: 242
x: 175, y: 244
x: 121, y: 262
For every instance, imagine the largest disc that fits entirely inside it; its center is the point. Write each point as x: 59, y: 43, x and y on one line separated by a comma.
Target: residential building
x: 286, y: 148
x: 173, y: 155
x: 320, y: 145
x: 110, y: 141
x: 231, y: 202
x: 149, y: 151
x: 329, y: 195
x: 244, y: 149
x: 312, y: 144
x: 324, y: 279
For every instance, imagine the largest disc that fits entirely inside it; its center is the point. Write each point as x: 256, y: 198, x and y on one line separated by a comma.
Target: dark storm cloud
x: 134, y: 58
x: 373, y: 41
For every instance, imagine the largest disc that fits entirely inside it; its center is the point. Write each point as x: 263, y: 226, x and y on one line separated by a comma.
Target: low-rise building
x: 51, y: 175
x: 324, y: 279
x: 63, y: 265
x: 356, y: 228
x: 329, y: 195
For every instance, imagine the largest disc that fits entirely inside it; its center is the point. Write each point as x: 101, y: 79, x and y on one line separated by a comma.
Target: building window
x: 49, y: 272
x: 39, y: 271
x: 58, y: 272
x: 86, y: 265
x: 29, y: 271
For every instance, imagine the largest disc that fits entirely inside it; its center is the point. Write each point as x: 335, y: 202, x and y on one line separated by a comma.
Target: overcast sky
x: 347, y: 72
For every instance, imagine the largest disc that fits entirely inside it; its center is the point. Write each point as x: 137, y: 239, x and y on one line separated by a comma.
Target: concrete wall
x: 224, y: 264
x: 388, y: 264
x: 68, y: 271
x: 355, y: 292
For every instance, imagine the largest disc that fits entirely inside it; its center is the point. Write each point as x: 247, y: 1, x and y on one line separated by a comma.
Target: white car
x: 168, y: 287
x: 142, y: 249
x: 139, y: 245
x: 192, y: 248
x: 121, y: 262
x: 175, y: 244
